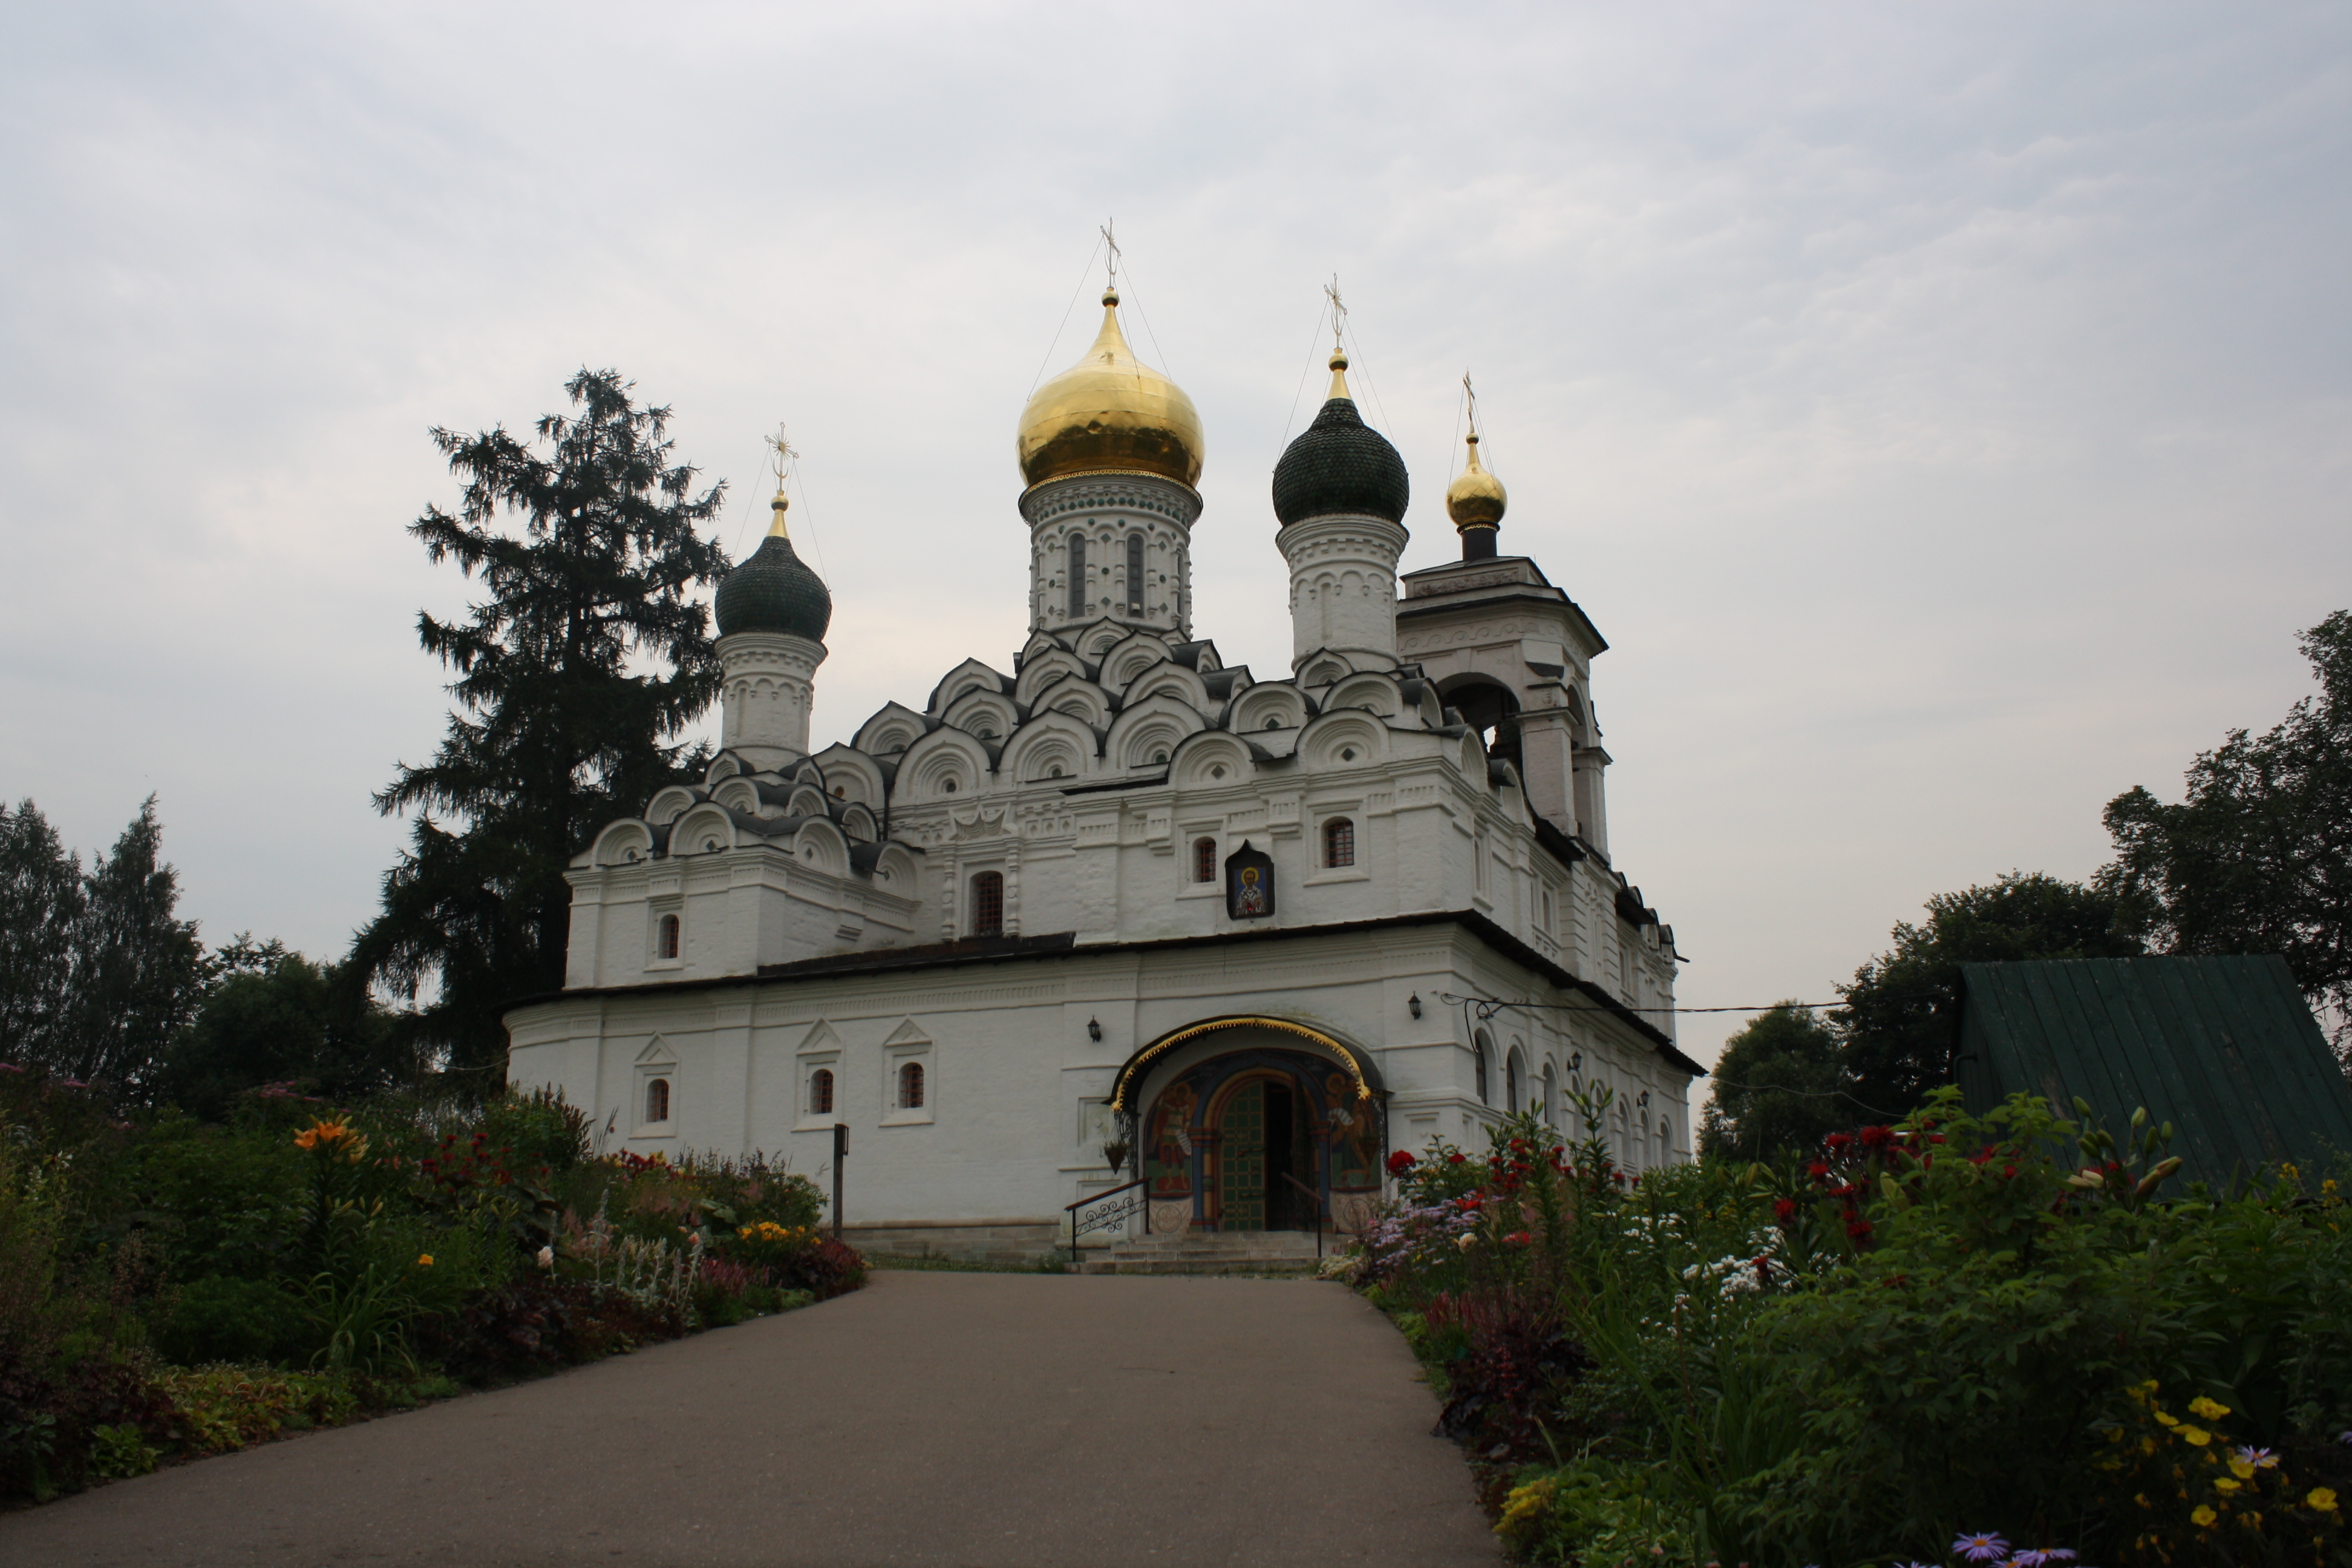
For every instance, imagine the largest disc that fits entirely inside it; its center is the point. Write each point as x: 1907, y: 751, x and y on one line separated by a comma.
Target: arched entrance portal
x: 1243, y: 1130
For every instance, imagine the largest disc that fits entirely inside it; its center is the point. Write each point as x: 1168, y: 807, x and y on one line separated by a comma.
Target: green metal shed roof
x: 2223, y: 1048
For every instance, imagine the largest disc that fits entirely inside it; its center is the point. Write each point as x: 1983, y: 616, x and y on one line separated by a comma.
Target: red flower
x: 1518, y: 1239
x: 1454, y: 1159
x: 1785, y: 1210
x: 1818, y: 1171
x: 1468, y: 1203
x: 1400, y: 1162
x: 1981, y: 1155
x: 1858, y: 1228
x: 1876, y: 1138
x: 1838, y: 1143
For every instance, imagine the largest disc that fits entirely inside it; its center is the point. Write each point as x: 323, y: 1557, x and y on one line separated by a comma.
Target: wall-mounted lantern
x: 1575, y: 1060
x: 1413, y: 1002
x: 1094, y: 1032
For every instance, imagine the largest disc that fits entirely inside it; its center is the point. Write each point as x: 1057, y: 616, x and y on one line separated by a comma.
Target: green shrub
x: 118, y: 1452
x: 221, y: 1320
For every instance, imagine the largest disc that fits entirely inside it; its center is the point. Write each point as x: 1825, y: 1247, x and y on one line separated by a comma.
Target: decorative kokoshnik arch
x: 1361, y: 1069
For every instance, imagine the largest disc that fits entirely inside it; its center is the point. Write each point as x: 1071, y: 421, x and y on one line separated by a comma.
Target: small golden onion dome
x: 1477, y: 498
x: 1110, y: 413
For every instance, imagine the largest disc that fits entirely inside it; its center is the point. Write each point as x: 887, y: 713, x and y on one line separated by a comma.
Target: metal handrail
x: 1311, y: 1192
x: 1072, y: 1210
x: 1105, y: 1193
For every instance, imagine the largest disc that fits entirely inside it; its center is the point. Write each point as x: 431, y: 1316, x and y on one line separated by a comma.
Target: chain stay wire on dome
x: 1322, y: 313
x: 1038, y: 380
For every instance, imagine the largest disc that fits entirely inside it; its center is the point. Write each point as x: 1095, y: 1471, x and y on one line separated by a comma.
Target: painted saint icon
x: 1249, y: 884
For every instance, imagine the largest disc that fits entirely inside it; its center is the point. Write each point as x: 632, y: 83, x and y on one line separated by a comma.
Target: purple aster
x: 1980, y: 1548
x: 2261, y: 1458
x: 2041, y: 1557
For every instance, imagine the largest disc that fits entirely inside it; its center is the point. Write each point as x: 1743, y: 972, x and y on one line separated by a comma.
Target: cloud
x: 1941, y: 410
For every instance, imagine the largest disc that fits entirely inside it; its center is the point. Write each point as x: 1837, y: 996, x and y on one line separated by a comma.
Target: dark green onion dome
x: 1340, y: 465
x: 773, y: 591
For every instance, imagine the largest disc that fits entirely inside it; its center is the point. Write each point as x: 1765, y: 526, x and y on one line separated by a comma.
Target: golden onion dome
x: 1110, y: 413
x: 1477, y: 498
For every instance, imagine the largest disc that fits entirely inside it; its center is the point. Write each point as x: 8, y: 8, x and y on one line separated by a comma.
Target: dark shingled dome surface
x: 1340, y: 465
x: 773, y: 591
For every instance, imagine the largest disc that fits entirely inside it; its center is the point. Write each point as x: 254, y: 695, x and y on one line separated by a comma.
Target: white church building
x: 1122, y: 913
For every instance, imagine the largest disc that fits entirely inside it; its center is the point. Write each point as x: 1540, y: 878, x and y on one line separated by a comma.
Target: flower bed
x: 170, y: 1289
x: 2006, y: 1333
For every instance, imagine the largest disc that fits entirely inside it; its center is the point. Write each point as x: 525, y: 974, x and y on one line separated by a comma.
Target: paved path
x: 967, y: 1419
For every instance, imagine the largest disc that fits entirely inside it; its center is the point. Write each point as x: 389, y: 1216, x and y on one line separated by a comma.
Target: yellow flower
x: 2204, y: 1516
x: 1525, y: 1503
x: 2196, y: 1435
x: 2210, y: 1409
x: 2321, y: 1498
x: 424, y: 1260
x: 2243, y: 1469
x: 2225, y: 1486
x: 2168, y: 1420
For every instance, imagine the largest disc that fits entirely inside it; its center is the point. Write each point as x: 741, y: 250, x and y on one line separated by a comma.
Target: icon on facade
x: 1249, y: 884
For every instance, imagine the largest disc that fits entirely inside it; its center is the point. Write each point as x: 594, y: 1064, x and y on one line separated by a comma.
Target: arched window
x: 988, y: 904
x: 1204, y: 860
x: 1511, y: 1083
x: 1339, y: 842
x: 1078, y: 575
x: 1135, y: 574
x: 1665, y: 1142
x: 910, y: 1087
x: 1479, y: 1048
x: 1550, y: 1098
x: 821, y: 1092
x: 666, y: 938
x: 658, y: 1099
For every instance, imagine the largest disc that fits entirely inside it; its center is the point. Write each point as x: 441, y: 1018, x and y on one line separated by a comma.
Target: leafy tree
x: 2257, y: 858
x: 1777, y: 1086
x: 98, y: 971
x: 275, y: 1016
x: 40, y: 913
x: 1901, y: 1017
x: 140, y: 968
x: 573, y: 677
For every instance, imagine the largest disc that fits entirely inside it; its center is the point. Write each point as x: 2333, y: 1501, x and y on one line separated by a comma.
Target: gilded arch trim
x: 1360, y: 1067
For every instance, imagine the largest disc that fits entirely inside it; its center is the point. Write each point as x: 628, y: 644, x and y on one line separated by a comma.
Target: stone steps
x: 1241, y: 1252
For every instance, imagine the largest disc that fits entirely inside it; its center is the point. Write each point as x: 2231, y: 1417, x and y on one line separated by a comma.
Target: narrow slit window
x: 988, y: 904
x: 910, y: 1087
x: 666, y: 939
x: 1479, y: 1048
x: 657, y: 1100
x: 1204, y: 860
x: 1077, y: 576
x: 1339, y: 842
x: 821, y: 1092
x: 1135, y: 574
x: 1511, y: 1083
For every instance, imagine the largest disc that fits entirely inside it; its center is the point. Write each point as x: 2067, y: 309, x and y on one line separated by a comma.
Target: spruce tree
x: 575, y: 677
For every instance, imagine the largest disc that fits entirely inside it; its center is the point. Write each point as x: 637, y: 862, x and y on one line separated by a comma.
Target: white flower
x: 1469, y: 1239
x: 547, y: 1257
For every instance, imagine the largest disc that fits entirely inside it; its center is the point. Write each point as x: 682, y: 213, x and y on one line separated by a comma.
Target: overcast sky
x: 1942, y: 410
